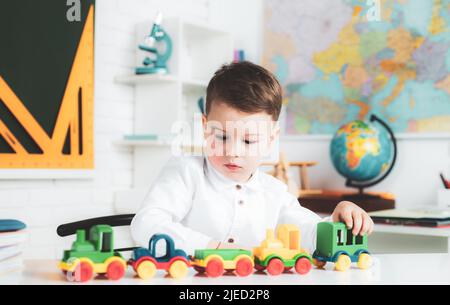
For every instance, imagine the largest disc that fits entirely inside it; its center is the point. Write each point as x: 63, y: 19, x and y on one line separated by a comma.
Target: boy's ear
x: 204, y: 121
x: 204, y: 125
x: 275, y: 134
x: 273, y: 138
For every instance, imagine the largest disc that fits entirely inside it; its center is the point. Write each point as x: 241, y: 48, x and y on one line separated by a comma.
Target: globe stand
x: 360, y: 195
x: 361, y: 186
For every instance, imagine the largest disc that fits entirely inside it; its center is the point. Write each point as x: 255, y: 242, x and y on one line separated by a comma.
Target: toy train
x: 337, y: 244
x: 95, y: 254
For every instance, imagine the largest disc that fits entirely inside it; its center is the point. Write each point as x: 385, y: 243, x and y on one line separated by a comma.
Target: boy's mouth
x: 232, y: 167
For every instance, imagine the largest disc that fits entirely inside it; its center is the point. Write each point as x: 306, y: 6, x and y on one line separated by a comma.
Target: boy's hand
x: 354, y: 217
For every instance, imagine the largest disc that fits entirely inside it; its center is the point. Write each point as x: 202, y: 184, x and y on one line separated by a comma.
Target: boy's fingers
x: 357, y: 223
x: 372, y: 225
x: 365, y: 225
x: 347, y: 218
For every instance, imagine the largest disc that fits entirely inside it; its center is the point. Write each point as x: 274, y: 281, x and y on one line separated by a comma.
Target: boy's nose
x: 234, y: 149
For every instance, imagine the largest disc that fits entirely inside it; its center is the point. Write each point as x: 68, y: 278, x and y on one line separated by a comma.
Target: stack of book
x: 423, y: 217
x: 12, y: 237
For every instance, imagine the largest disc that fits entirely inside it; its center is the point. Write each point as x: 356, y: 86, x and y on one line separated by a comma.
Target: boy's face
x: 237, y: 141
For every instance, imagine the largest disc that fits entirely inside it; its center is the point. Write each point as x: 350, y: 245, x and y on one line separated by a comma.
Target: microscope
x: 159, y: 45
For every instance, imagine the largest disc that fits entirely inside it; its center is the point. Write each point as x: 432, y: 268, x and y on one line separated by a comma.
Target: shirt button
x: 231, y: 240
x: 238, y: 187
x: 241, y: 202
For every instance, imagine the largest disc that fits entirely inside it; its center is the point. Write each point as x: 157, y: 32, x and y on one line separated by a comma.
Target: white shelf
x: 145, y: 143
x: 149, y: 143
x: 188, y: 84
x: 145, y: 79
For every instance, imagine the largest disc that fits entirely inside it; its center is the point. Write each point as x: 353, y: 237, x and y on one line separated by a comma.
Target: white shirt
x: 195, y: 204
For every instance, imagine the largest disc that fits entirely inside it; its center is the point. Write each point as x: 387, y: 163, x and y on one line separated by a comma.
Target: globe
x: 363, y: 151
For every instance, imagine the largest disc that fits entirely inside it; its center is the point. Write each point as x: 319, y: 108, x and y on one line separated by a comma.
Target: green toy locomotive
x: 337, y: 244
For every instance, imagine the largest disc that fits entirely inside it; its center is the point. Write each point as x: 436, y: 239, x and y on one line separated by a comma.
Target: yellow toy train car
x: 283, y: 253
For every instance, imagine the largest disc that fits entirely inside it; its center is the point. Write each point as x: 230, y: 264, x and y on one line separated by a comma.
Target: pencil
x: 445, y: 182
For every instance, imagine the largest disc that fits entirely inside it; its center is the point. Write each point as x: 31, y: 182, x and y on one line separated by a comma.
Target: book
x: 9, y: 225
x: 9, y: 251
x: 13, y: 238
x: 424, y: 217
x: 10, y: 265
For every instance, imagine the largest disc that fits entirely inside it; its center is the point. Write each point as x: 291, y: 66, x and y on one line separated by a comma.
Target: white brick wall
x: 44, y: 204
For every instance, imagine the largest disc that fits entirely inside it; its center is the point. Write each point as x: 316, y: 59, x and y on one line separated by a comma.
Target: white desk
x: 387, y: 269
x: 406, y: 239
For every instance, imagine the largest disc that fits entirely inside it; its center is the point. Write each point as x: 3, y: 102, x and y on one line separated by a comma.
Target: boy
x: 222, y: 200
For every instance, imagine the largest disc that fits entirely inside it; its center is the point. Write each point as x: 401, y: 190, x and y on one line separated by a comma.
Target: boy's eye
x: 248, y: 142
x: 221, y: 137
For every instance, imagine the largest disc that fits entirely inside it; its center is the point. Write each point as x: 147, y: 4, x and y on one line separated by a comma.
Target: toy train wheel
x: 83, y: 272
x: 303, y: 265
x: 244, y: 267
x: 318, y: 263
x: 146, y: 270
x: 214, y: 268
x: 364, y: 261
x: 178, y: 269
x: 343, y: 263
x: 115, y: 271
x: 199, y: 269
x: 275, y: 266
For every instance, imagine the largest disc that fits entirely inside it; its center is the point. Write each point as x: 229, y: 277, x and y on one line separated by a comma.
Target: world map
x: 337, y: 65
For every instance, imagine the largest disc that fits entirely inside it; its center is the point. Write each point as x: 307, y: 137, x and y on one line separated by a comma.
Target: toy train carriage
x: 216, y: 261
x: 281, y: 254
x: 94, y: 254
x: 145, y: 261
x: 337, y: 244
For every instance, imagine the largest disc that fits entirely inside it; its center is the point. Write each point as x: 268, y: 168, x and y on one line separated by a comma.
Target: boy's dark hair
x: 246, y: 87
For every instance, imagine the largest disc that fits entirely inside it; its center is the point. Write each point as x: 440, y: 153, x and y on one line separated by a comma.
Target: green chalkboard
x: 37, y: 50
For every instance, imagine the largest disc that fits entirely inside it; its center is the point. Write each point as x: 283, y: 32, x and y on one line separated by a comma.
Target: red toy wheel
x: 115, y: 271
x: 303, y: 265
x: 199, y: 269
x: 83, y: 273
x: 214, y: 268
x: 275, y: 266
x: 244, y: 267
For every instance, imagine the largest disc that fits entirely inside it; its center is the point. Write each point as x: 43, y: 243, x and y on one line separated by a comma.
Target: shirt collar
x: 220, y: 182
